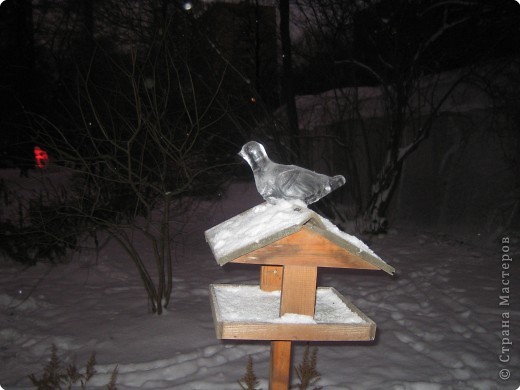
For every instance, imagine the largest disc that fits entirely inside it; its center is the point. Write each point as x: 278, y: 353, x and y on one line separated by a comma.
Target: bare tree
x: 150, y: 132
x: 394, y: 48
x: 500, y: 81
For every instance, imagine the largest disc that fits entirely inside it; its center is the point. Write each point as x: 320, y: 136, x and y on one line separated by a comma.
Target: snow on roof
x: 256, y: 225
x: 267, y: 223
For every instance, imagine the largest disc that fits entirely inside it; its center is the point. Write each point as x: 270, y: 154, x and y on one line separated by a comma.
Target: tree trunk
x: 382, y: 191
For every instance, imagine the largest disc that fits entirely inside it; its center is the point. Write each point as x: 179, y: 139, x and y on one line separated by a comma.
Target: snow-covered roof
x: 266, y: 223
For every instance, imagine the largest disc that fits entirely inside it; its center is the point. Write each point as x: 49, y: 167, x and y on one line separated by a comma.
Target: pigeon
x: 289, y: 182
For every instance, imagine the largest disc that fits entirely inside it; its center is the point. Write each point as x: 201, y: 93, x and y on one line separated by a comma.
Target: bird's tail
x: 336, y: 182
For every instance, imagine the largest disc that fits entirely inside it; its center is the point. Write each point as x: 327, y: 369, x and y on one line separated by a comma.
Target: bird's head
x: 255, y: 155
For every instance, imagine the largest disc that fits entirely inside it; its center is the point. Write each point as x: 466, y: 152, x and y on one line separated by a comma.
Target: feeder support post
x: 280, y: 366
x: 299, y: 290
x: 298, y: 296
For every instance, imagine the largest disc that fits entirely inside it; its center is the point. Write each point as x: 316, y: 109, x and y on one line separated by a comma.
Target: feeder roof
x: 267, y: 223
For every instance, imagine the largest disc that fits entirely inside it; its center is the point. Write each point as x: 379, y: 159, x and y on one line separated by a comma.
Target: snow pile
x: 292, y: 318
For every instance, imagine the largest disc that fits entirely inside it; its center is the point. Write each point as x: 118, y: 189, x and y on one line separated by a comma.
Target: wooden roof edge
x: 366, y: 256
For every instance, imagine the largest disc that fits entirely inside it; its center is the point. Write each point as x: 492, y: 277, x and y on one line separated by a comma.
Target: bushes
x: 56, y: 376
x: 306, y: 371
x: 42, y: 227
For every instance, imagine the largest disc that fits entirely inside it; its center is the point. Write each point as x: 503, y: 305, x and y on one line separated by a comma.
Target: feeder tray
x: 335, y: 318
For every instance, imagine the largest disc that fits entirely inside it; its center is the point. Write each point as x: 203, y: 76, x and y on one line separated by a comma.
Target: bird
x: 289, y: 182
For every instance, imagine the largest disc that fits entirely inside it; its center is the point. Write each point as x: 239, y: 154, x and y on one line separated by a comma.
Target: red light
x: 41, y: 157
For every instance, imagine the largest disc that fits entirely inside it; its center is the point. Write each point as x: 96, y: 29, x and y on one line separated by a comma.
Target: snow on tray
x: 243, y: 303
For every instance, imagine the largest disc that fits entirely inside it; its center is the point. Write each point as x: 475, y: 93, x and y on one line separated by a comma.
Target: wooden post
x: 298, y: 285
x: 280, y: 369
x: 271, y: 277
x: 298, y: 290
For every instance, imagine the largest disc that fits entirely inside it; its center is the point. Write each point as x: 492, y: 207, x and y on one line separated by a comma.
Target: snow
x: 256, y: 224
x: 293, y: 318
x: 245, y: 303
x: 438, y: 322
x: 265, y: 221
x: 360, y: 245
x: 331, y: 309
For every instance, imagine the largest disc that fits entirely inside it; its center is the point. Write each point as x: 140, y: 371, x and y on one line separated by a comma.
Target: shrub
x: 307, y: 372
x: 55, y: 376
x: 249, y: 381
x: 45, y: 228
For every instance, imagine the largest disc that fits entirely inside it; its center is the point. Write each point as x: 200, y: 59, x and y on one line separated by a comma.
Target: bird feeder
x: 290, y: 242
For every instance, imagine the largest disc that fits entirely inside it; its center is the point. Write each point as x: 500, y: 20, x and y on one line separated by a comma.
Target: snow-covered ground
x: 439, y: 320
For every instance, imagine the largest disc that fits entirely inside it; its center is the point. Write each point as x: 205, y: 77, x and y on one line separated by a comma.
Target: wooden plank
x: 215, y: 312
x: 298, y: 290
x: 354, y: 309
x: 280, y: 366
x: 271, y: 277
x: 269, y: 331
x: 305, y: 248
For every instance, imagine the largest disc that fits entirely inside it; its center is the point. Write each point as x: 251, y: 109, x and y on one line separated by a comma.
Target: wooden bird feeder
x: 289, y: 242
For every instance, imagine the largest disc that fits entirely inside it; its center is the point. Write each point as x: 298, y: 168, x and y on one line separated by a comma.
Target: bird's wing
x: 299, y: 183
